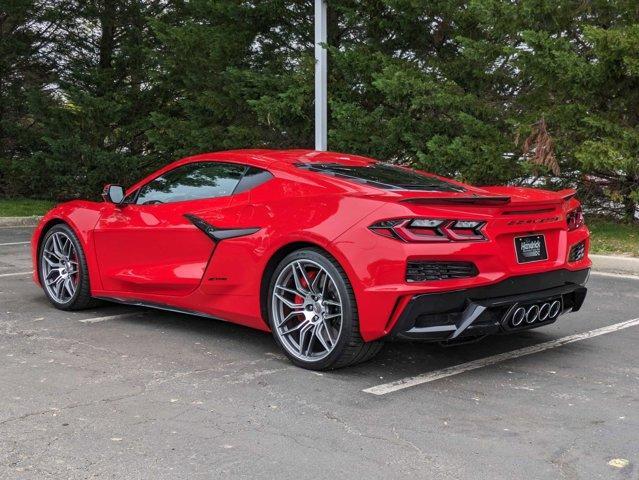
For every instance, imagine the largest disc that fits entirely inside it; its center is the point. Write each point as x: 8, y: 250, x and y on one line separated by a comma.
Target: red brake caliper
x: 311, y: 275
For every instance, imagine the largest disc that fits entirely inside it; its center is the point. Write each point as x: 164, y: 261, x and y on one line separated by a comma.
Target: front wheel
x: 63, y: 269
x: 313, y: 313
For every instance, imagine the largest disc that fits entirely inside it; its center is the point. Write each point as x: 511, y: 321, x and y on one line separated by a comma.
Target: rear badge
x: 531, y: 248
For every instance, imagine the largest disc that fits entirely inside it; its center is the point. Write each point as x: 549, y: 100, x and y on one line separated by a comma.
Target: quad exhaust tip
x: 518, y: 316
x: 555, y: 309
x: 544, y: 312
x: 532, y: 314
x: 537, y: 312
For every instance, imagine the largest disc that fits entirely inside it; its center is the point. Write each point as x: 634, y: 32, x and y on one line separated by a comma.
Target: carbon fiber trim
x: 219, y: 234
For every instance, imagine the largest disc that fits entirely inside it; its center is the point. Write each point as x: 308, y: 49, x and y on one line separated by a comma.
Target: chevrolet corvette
x: 332, y: 253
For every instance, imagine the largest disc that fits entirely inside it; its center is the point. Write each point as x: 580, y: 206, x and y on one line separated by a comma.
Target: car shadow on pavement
x: 396, y: 358
x: 406, y: 359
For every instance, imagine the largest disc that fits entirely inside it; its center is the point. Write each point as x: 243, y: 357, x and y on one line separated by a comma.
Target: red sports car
x: 332, y: 253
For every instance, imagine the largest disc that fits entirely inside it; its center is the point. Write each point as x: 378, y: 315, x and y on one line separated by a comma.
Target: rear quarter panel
x: 286, y: 213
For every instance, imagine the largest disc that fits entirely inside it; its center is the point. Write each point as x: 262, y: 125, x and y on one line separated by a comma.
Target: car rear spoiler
x: 474, y: 200
x: 567, y: 194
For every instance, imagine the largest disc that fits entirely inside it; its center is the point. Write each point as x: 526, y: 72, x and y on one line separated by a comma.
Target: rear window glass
x: 383, y: 175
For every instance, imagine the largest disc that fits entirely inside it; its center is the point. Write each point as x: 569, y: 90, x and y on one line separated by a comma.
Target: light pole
x: 321, y: 77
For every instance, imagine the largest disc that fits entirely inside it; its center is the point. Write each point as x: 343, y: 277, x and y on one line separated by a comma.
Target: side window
x: 192, y: 181
x: 252, y: 178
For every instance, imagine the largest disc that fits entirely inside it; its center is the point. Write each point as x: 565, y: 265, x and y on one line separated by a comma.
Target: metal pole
x: 321, y: 77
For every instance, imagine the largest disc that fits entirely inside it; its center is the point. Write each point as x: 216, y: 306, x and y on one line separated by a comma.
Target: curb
x: 615, y: 264
x: 20, y: 221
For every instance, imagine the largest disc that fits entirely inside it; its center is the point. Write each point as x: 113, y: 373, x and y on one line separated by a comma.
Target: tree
x: 417, y: 83
x: 539, y: 92
x: 236, y: 74
x: 25, y: 34
x: 581, y: 76
x: 97, y: 131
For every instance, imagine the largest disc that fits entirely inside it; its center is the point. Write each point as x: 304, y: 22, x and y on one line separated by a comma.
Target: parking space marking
x: 13, y: 243
x: 108, y: 317
x: 493, y: 359
x: 16, y: 274
x: 617, y: 275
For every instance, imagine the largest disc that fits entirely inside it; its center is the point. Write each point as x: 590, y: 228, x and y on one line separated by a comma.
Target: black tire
x: 82, y: 296
x: 349, y: 348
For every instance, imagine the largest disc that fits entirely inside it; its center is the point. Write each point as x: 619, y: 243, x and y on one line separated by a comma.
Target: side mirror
x: 113, y: 194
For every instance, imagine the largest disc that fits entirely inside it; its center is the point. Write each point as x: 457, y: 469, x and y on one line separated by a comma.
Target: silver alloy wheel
x: 307, y: 310
x: 59, y: 269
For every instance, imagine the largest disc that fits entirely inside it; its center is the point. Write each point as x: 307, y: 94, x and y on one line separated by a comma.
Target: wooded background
x: 542, y: 92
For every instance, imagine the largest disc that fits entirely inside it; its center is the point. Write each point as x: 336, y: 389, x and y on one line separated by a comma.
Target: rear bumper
x: 489, y: 310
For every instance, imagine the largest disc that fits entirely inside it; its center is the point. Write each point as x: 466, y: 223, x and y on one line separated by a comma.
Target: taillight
x: 575, y: 218
x: 385, y: 228
x: 430, y: 230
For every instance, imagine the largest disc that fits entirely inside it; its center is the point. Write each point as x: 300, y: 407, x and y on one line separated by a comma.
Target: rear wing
x: 567, y: 194
x: 448, y: 200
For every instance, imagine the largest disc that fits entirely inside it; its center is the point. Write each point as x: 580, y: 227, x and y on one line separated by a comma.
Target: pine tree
x: 539, y: 92
x: 97, y: 132
x: 237, y: 75
x: 579, y: 72
x: 25, y: 34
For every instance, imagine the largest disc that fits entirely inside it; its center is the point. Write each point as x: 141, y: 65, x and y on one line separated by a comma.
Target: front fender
x: 81, y: 216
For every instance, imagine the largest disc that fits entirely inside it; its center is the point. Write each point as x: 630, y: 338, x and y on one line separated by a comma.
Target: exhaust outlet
x: 555, y: 309
x: 518, y: 317
x: 532, y: 313
x: 544, y: 312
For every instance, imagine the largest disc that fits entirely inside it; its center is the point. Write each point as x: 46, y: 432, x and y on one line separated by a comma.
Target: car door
x: 148, y: 245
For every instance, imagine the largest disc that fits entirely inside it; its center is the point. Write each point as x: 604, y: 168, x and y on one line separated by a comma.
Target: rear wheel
x: 63, y: 269
x: 313, y: 314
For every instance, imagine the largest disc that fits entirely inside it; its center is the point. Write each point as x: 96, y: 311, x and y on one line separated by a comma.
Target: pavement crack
x: 74, y: 406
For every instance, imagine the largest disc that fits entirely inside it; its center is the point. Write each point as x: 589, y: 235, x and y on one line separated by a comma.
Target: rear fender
x: 233, y: 278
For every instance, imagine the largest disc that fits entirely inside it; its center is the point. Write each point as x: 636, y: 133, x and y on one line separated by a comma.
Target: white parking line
x: 502, y: 357
x: 618, y: 275
x: 15, y: 274
x: 109, y: 317
x: 13, y: 243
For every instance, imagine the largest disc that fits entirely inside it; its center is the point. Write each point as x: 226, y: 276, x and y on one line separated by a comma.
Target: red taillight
x: 430, y: 230
x: 385, y: 228
x: 575, y: 218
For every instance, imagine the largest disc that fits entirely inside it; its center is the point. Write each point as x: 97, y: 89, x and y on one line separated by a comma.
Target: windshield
x: 383, y: 175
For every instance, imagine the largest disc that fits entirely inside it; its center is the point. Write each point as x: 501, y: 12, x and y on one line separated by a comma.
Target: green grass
x: 608, y: 237
x: 24, y: 207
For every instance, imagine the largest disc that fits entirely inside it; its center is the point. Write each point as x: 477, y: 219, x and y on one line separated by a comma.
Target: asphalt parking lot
x: 128, y: 393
